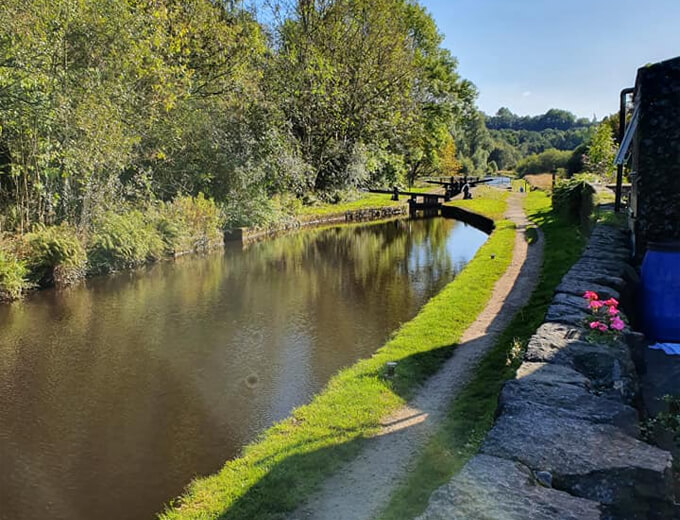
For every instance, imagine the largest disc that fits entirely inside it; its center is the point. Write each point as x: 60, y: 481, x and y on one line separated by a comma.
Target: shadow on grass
x: 291, y: 480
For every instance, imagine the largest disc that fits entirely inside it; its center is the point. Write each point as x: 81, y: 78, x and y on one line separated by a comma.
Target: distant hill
x: 517, y: 137
x: 554, y: 118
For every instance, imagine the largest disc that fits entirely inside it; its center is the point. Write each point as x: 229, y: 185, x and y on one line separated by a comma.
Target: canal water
x: 116, y: 393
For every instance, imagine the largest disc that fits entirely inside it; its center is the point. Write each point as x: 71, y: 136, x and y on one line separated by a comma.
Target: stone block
x: 609, y: 367
x: 599, y: 462
x: 491, y: 488
x: 566, y: 401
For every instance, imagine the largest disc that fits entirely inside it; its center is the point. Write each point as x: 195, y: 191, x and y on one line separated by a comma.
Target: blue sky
x: 532, y: 55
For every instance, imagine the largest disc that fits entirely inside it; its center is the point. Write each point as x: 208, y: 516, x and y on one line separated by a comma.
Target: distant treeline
x: 534, y: 142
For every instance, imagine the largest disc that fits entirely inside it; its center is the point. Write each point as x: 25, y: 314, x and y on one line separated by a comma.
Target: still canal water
x: 114, y: 394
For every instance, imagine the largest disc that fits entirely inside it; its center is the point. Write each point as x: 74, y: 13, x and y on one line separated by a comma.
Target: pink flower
x: 613, y: 311
x: 617, y: 323
x: 612, y: 302
x: 590, y: 295
x: 602, y: 327
x: 595, y: 304
x: 595, y: 324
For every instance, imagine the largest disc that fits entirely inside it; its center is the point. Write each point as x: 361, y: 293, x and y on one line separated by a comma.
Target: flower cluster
x: 605, y: 316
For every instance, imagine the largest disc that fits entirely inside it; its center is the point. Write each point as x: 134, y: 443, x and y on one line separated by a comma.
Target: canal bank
x: 391, y: 453
x: 276, y: 473
x: 144, y: 379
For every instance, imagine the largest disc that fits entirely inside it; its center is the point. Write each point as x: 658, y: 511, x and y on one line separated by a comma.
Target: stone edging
x: 565, y: 444
x: 250, y: 234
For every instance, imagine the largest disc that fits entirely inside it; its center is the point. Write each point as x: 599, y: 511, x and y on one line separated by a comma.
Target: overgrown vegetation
x: 13, y: 272
x: 548, y: 161
x: 573, y: 200
x: 289, y: 459
x: 54, y: 255
x: 103, y: 105
x: 129, y: 237
x: 471, y: 414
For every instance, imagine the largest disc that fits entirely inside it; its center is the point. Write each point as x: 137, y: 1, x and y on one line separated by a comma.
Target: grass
x: 365, y: 201
x: 541, y: 181
x: 470, y: 415
x: 490, y: 202
x: 288, y: 461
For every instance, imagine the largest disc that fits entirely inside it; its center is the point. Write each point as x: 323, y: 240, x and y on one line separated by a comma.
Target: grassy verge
x: 276, y: 472
x: 367, y: 200
x: 470, y: 415
x: 490, y: 202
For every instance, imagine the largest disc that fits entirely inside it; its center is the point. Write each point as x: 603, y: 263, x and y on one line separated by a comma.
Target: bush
x: 123, y: 240
x: 189, y: 224
x: 573, y: 198
x: 545, y: 162
x: 12, y: 275
x: 54, y: 255
x: 263, y: 211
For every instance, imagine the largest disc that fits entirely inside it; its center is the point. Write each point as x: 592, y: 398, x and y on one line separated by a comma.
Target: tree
x: 448, y: 162
x: 601, y: 152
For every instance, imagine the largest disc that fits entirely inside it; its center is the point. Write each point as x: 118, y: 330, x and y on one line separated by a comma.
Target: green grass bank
x: 288, y: 460
x: 470, y: 415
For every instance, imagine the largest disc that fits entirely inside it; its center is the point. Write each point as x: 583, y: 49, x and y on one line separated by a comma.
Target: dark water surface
x: 114, y: 394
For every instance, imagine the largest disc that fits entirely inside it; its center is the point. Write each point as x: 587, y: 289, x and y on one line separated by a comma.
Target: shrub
x: 573, y: 198
x: 123, y: 240
x: 54, y: 255
x: 189, y: 224
x: 547, y: 161
x: 12, y: 275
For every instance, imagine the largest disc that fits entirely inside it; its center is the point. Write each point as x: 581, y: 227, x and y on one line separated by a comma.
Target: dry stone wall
x: 565, y: 443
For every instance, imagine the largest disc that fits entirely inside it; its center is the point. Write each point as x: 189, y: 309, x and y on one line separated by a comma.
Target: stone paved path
x: 362, y: 488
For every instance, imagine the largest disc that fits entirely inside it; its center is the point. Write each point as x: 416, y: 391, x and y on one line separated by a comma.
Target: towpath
x: 362, y: 488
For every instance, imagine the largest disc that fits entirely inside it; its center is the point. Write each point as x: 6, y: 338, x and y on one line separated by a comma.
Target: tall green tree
x: 601, y: 152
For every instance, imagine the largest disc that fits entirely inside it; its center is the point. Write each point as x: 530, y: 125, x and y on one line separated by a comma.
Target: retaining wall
x: 250, y: 234
x: 565, y: 443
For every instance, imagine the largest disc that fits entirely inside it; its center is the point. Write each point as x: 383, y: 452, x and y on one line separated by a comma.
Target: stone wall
x: 656, y: 155
x: 565, y: 444
x: 251, y: 234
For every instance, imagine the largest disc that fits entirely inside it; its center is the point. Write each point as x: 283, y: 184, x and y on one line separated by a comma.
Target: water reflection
x: 116, y: 393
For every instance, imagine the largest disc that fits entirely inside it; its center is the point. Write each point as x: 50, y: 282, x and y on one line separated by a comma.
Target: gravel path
x: 362, y: 488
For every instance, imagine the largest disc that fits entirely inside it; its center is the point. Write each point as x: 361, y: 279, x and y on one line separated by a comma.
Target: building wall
x: 656, y: 155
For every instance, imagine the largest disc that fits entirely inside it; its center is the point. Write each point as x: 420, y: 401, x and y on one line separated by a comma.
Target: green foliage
x: 545, y: 162
x: 123, y: 240
x: 504, y: 155
x: 13, y: 281
x: 189, y: 224
x: 518, y: 137
x: 553, y: 119
x: 573, y: 199
x: 54, y: 255
x: 667, y: 420
x: 601, y: 152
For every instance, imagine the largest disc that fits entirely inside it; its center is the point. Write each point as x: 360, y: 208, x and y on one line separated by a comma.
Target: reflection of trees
x: 363, y: 255
x: 155, y: 362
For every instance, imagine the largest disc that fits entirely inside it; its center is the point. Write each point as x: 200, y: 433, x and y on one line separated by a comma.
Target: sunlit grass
x: 470, y: 415
x: 289, y: 460
x: 490, y: 202
x: 364, y: 201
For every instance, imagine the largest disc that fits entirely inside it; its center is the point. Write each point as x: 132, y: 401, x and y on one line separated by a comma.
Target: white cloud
x: 526, y: 93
